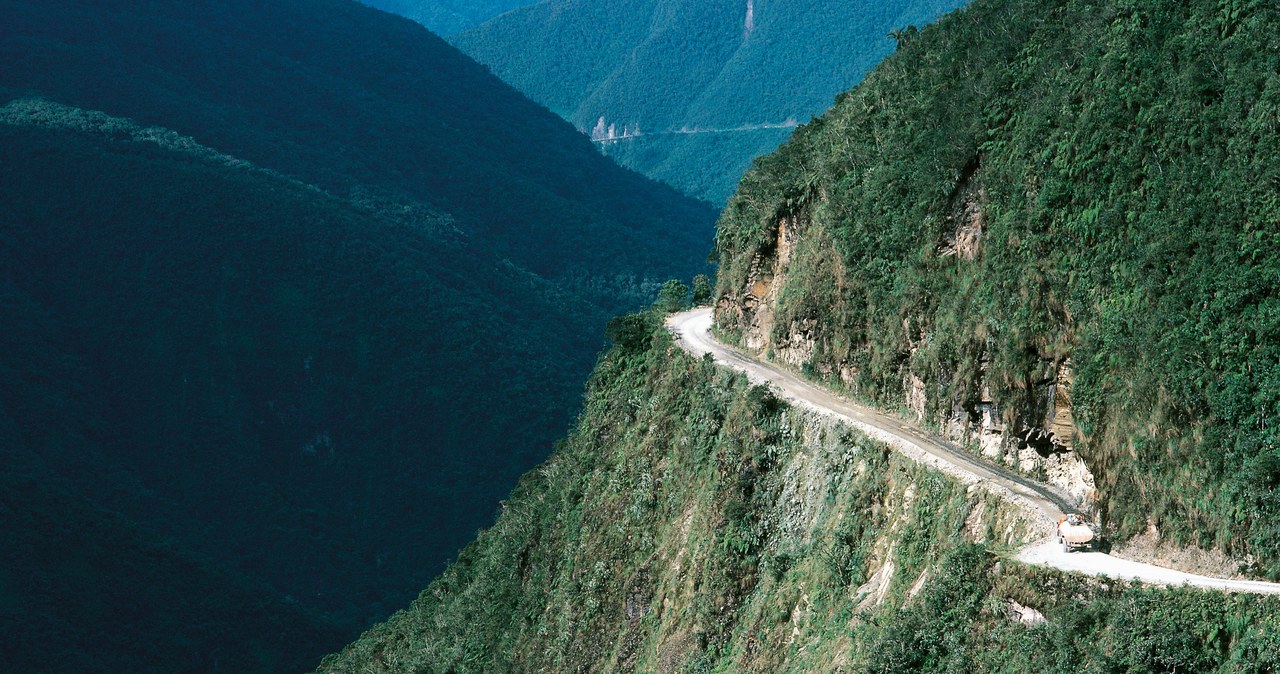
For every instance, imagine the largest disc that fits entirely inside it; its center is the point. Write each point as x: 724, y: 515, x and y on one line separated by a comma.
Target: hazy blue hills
x: 348, y: 97
x: 447, y: 17
x: 297, y: 291
x: 738, y: 73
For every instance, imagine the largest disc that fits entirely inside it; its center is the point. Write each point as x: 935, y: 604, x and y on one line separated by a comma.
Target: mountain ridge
x: 1009, y: 315
x: 1042, y: 228
x: 710, y: 69
x: 246, y: 242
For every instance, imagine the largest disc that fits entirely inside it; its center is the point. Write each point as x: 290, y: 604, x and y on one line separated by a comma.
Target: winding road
x: 693, y: 332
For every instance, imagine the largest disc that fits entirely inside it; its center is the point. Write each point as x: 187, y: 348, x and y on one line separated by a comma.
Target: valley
x: 640, y: 336
x: 665, y: 65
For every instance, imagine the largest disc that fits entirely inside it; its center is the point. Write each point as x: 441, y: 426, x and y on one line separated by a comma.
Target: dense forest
x: 302, y: 291
x: 660, y: 66
x: 362, y: 102
x: 447, y: 17
x: 1045, y: 195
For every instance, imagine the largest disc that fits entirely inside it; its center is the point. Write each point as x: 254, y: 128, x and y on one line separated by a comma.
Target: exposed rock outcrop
x: 1038, y: 438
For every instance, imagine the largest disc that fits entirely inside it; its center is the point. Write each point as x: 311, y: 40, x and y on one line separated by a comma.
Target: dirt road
x: 693, y: 330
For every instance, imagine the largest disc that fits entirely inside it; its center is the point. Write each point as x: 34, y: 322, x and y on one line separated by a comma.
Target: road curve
x: 692, y: 330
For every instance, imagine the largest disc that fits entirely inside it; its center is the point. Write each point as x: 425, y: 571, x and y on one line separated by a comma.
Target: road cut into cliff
x: 692, y: 330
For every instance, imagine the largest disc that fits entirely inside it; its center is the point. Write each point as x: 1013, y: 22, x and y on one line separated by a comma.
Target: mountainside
x: 1049, y: 229
x: 295, y: 286
x: 738, y: 73
x: 357, y: 101
x: 260, y: 371
x: 446, y: 17
x: 694, y: 523
x: 84, y: 590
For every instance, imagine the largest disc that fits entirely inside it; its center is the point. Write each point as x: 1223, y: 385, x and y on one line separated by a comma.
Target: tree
x: 903, y: 35
x: 702, y: 291
x: 672, y: 296
x: 631, y: 332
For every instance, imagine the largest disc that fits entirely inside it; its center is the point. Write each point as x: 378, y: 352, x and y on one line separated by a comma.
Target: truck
x: 1076, y: 532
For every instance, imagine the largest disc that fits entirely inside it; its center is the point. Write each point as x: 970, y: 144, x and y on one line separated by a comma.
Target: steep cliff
x: 1048, y: 228
x: 693, y: 523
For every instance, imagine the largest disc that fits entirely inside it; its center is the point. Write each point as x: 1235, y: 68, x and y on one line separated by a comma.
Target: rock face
x: 1036, y: 437
x: 1040, y: 443
x: 1024, y: 614
x: 753, y: 309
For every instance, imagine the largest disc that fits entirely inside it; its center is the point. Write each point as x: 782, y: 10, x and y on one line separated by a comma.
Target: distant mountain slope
x: 446, y: 17
x: 298, y: 285
x: 268, y: 374
x: 665, y: 65
x: 1051, y: 228
x: 84, y: 590
x: 352, y: 98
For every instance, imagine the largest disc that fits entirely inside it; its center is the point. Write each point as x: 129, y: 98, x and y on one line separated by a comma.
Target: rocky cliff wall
x: 767, y: 313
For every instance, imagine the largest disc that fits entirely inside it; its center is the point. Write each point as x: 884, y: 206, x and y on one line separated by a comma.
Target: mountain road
x: 692, y: 329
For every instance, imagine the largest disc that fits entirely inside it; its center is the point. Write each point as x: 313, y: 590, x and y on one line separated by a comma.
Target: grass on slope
x: 694, y: 523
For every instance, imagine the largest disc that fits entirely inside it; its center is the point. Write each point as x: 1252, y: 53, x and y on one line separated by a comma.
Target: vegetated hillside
x: 694, y: 523
x: 661, y: 66
x: 84, y: 590
x: 446, y: 17
x: 298, y: 286
x: 1050, y: 227
x: 355, y: 100
x: 325, y: 397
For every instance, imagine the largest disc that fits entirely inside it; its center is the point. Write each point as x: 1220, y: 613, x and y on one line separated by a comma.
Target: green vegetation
x: 703, y: 292
x: 661, y: 66
x: 297, y: 287
x: 446, y: 17
x: 966, y: 621
x: 1029, y: 182
x: 694, y: 523
x: 672, y: 297
x: 85, y: 590
x: 1026, y: 189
